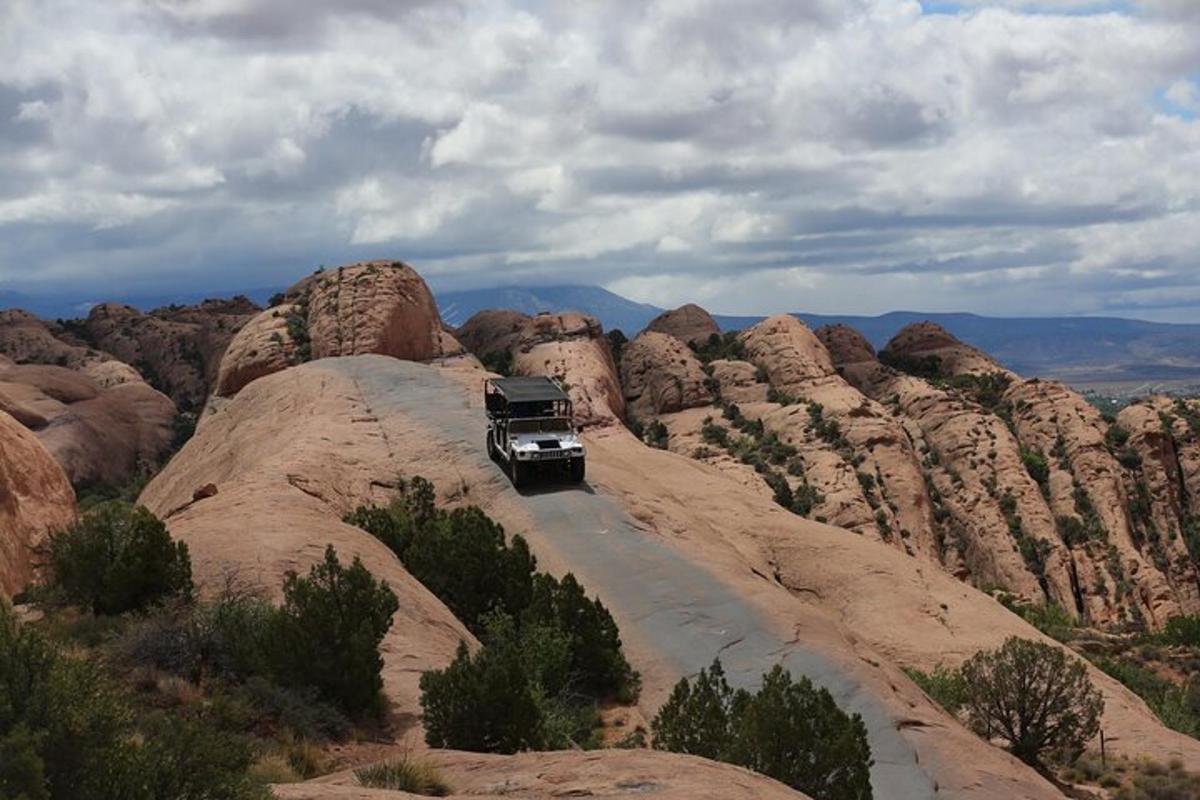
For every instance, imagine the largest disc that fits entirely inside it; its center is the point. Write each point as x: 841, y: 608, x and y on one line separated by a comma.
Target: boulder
x: 689, y: 323
x: 35, y: 499
x: 379, y: 307
x: 263, y: 346
x: 660, y: 375
x: 97, y: 434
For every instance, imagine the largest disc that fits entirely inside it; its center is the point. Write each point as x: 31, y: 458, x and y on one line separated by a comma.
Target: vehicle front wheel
x: 577, y: 470
x: 491, y: 446
x: 517, y: 472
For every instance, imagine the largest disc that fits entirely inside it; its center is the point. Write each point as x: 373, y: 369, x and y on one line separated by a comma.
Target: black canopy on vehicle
x: 529, y: 390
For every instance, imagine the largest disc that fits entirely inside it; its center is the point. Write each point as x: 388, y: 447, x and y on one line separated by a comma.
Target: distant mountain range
x: 1103, y: 352
x: 1085, y: 351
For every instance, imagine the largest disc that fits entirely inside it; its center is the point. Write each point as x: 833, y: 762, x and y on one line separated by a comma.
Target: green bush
x: 1034, y: 696
x: 481, y: 703
x: 1036, y: 466
x: 463, y: 558
x: 118, y: 558
x: 329, y: 631
x: 66, y: 733
x: 787, y: 730
x: 1182, y: 631
x: 404, y: 775
x: 944, y: 686
x: 1172, y: 704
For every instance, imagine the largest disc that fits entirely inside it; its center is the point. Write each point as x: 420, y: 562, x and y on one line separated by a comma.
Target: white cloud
x: 859, y: 152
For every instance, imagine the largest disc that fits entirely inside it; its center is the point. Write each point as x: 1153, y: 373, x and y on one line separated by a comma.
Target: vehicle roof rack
x: 529, y: 389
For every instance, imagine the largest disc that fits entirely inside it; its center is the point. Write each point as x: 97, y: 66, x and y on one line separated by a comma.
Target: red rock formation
x: 660, y: 375
x: 690, y: 324
x: 35, y: 499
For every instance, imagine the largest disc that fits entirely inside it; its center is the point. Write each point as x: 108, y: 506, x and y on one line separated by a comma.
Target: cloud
x: 848, y: 155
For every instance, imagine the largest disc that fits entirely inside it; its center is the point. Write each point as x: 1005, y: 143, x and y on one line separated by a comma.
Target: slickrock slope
x: 555, y: 345
x: 548, y: 776
x: 35, y: 499
x: 868, y: 450
x: 689, y: 323
x: 97, y: 434
x: 177, y: 349
x: 660, y: 374
x: 289, y: 456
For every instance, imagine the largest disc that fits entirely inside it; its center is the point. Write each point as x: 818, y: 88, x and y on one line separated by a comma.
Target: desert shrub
x: 726, y: 345
x: 481, y: 703
x: 804, y: 498
x: 1033, y: 696
x: 787, y: 730
x: 1129, y: 458
x: 66, y: 732
x: 1036, y: 465
x: 1050, y: 618
x: 1182, y: 631
x: 118, y: 558
x: 463, y: 558
x: 597, y: 663
x: 300, y: 711
x: 329, y: 631
x: 499, y: 362
x: 944, y: 686
x: 1170, y: 703
x: 185, y: 757
x: 1116, y: 437
x: 657, y: 435
x: 616, y: 343
x: 404, y: 775
x: 928, y: 367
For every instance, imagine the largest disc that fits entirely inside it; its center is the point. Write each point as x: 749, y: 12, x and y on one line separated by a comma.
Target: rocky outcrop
x: 852, y: 450
x: 35, y: 499
x: 25, y: 339
x: 570, y: 347
x: 992, y: 524
x: 97, y: 434
x: 659, y: 375
x: 379, y: 307
x: 177, y: 349
x: 690, y: 324
x: 263, y: 346
x: 562, y: 774
x: 935, y: 351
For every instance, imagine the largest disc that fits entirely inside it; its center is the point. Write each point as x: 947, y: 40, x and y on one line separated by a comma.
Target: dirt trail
x: 687, y: 614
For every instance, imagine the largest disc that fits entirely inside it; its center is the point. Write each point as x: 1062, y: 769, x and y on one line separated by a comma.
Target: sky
x: 837, y: 156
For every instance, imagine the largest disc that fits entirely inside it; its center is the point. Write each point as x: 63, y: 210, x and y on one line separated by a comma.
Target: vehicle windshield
x: 544, y: 425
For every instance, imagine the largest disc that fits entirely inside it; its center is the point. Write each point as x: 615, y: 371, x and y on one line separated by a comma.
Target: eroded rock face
x: 690, y: 324
x: 660, y: 375
x: 853, y: 451
x: 940, y: 352
x: 35, y: 499
x: 379, y: 307
x: 25, y: 339
x: 570, y: 346
x: 263, y: 346
x: 178, y: 349
x: 97, y: 434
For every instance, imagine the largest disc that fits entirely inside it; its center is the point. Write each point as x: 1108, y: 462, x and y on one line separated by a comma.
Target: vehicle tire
x: 577, y: 470
x: 517, y: 472
x: 491, y: 446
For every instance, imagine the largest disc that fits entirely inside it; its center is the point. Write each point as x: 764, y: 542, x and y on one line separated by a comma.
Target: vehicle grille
x: 548, y: 444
